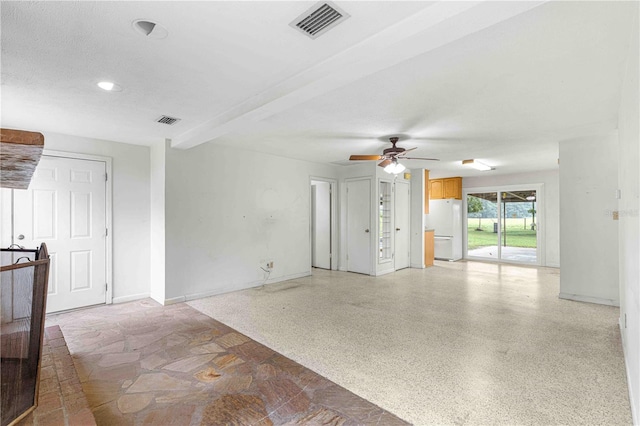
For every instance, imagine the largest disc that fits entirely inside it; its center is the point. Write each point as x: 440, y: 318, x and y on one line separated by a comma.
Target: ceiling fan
x: 390, y: 157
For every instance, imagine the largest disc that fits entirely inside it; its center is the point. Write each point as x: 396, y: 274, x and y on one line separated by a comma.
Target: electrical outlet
x: 266, y: 264
x: 270, y: 265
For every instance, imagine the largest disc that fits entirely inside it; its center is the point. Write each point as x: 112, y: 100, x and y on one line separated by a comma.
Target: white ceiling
x: 498, y: 81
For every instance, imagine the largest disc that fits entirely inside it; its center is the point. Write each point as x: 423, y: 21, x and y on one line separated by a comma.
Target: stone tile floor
x: 140, y: 363
x: 61, y: 400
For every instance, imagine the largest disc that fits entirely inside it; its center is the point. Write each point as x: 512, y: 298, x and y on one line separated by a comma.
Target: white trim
x: 385, y: 272
x: 634, y: 414
x: 540, y: 234
x: 174, y: 300
x: 589, y: 299
x: 130, y: 298
x: 108, y: 209
x: 333, y: 187
x: 231, y: 288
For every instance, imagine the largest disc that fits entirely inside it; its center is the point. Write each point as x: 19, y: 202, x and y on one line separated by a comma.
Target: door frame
x: 541, y: 224
x: 333, y: 188
x: 108, y: 209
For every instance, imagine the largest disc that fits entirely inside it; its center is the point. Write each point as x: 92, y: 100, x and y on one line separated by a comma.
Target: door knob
x: 21, y: 237
x: 366, y: 230
x: 397, y: 229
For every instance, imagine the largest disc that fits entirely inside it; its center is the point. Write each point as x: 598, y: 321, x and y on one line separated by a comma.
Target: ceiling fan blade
x: 385, y: 163
x: 365, y: 157
x: 407, y: 150
x: 419, y: 158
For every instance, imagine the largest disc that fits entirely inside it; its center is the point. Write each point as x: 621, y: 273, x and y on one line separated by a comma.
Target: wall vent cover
x: 319, y: 19
x: 165, y: 119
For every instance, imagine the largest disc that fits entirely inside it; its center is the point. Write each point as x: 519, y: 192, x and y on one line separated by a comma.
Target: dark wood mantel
x: 20, y: 152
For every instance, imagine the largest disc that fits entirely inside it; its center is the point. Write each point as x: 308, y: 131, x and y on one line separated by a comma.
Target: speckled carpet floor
x: 459, y: 343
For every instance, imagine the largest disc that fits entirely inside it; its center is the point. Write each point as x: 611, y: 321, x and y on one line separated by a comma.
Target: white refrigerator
x: 445, y: 218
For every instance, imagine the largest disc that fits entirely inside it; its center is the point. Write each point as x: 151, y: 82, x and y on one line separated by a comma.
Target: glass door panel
x: 482, y: 225
x: 518, y: 239
x: 384, y: 224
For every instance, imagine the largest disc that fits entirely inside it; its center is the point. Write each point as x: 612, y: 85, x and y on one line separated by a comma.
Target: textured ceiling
x: 498, y: 81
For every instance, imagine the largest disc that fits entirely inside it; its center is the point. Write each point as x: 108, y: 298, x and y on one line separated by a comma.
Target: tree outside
x: 474, y: 206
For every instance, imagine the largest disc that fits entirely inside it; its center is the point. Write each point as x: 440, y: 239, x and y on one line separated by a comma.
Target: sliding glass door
x: 518, y: 239
x: 482, y: 225
x: 503, y: 225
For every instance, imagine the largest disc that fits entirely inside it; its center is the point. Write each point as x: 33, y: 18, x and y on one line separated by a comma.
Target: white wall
x: 131, y: 233
x: 550, y: 179
x: 589, y: 233
x: 226, y: 211
x: 157, y: 225
x: 629, y: 224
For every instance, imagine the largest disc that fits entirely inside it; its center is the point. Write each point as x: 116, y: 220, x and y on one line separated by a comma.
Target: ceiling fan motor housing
x: 394, y: 149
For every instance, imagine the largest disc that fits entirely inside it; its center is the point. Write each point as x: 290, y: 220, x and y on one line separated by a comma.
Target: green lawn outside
x: 517, y: 235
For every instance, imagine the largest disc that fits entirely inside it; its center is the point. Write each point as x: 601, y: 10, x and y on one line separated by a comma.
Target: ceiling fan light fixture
x: 477, y: 165
x: 109, y: 86
x: 394, y: 167
x: 150, y: 29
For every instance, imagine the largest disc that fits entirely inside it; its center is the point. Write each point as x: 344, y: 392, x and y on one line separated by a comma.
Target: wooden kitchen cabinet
x: 436, y: 189
x: 428, y: 248
x: 426, y: 191
x: 445, y: 188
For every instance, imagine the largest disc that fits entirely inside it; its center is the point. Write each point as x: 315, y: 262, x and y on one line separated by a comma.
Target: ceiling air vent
x: 319, y: 19
x: 165, y: 119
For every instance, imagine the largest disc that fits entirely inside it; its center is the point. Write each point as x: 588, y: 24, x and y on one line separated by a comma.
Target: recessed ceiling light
x: 150, y: 29
x: 109, y: 86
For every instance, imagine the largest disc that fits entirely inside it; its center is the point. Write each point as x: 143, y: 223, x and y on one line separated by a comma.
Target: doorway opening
x: 323, y: 229
x: 504, y: 224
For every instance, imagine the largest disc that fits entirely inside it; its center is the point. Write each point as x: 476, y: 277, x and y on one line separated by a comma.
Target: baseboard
x: 130, y: 298
x: 174, y: 300
x: 552, y: 265
x: 385, y: 272
x: 417, y: 265
x: 634, y: 413
x: 230, y: 288
x: 589, y: 299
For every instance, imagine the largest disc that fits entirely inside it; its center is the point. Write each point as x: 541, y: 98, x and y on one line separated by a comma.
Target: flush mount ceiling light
x: 477, y: 165
x: 109, y: 86
x: 394, y: 167
x: 150, y: 29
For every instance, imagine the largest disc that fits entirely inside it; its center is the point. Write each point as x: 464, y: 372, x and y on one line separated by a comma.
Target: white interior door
x: 65, y: 207
x: 321, y: 225
x: 402, y: 225
x: 359, y: 226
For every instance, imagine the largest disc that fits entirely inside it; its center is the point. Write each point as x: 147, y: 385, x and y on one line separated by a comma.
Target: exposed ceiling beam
x: 433, y: 27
